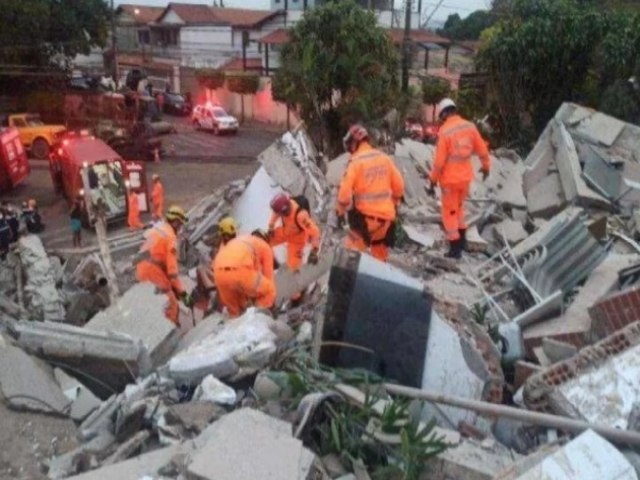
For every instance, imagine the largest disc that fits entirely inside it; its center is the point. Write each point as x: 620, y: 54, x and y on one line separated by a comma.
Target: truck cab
x: 34, y: 133
x: 14, y: 165
x: 84, y: 167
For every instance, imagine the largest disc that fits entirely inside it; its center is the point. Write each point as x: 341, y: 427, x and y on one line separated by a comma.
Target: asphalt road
x: 198, y: 162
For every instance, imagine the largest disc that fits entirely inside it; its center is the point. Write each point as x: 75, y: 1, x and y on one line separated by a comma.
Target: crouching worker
x: 243, y: 270
x: 159, y: 263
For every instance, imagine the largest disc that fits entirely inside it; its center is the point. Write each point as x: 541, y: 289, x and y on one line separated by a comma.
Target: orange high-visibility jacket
x: 246, y: 251
x: 458, y: 139
x: 298, y: 226
x: 134, y: 206
x: 161, y: 249
x: 372, y: 182
x: 157, y: 197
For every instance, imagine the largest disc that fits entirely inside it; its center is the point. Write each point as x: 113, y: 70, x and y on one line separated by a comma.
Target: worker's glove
x: 485, y: 174
x: 342, y: 221
x: 187, y: 299
x: 431, y: 188
x: 313, y: 257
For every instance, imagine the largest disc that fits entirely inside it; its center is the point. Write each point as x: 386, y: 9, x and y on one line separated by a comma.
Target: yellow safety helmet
x: 227, y: 226
x: 176, y: 213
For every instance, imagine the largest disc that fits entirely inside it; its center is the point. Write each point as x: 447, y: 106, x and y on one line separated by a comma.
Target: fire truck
x: 14, y: 166
x: 85, y: 168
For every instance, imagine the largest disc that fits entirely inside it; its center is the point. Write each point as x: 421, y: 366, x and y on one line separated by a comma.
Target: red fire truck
x: 84, y: 167
x: 14, y: 166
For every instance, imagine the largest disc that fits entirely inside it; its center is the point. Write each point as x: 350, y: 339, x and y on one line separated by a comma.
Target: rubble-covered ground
x: 540, y: 316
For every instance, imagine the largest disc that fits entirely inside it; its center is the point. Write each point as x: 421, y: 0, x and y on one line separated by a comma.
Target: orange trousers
x: 295, y: 252
x: 239, y: 286
x: 377, y: 232
x: 453, y: 197
x: 148, y: 272
x: 133, y: 220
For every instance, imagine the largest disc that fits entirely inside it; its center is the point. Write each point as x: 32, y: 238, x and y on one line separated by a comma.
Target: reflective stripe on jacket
x: 458, y: 139
x: 372, y: 183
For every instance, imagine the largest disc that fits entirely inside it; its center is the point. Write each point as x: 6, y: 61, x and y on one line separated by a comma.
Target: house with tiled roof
x: 193, y: 35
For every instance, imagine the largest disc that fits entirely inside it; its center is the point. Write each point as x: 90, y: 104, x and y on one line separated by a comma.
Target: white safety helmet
x: 443, y: 105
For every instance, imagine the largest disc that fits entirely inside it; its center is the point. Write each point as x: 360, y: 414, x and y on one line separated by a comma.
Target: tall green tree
x: 339, y: 67
x: 468, y: 28
x: 39, y: 37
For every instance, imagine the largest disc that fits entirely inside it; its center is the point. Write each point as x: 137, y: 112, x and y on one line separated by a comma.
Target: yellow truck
x: 34, y: 133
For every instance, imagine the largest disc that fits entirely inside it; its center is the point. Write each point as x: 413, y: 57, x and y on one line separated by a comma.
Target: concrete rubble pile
x: 542, y: 313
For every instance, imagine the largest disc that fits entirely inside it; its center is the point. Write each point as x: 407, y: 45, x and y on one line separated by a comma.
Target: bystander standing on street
x: 76, y: 223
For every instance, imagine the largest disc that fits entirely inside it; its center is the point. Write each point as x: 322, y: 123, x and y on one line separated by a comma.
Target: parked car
x: 176, y: 104
x: 213, y: 117
x: 34, y: 133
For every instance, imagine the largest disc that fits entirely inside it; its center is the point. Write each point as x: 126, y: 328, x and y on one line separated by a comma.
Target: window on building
x: 144, y: 38
x: 169, y: 37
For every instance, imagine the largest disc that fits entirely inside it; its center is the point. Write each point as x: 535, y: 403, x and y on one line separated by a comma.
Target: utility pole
x: 113, y: 43
x: 406, y: 46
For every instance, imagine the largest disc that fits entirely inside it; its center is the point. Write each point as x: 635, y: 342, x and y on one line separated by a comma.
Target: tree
x: 339, y: 67
x: 469, y: 28
x: 210, y: 78
x: 243, y: 84
x: 38, y: 38
x: 434, y: 89
x: 537, y: 58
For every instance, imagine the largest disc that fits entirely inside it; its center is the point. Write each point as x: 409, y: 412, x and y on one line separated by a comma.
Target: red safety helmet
x: 281, y: 204
x: 356, y: 134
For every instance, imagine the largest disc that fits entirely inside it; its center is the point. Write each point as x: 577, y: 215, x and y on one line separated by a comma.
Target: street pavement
x: 196, y: 164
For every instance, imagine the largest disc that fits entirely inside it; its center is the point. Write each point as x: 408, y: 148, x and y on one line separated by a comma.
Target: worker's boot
x: 463, y: 239
x: 455, y: 249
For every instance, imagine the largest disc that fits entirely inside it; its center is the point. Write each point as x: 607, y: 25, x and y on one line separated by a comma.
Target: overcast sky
x: 462, y: 7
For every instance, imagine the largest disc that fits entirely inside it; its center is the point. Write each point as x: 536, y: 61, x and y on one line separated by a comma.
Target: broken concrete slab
x: 194, y: 416
x: 336, y: 168
x: 139, y: 313
x: 213, y: 390
x: 27, y: 383
x: 83, y: 400
x: 539, y: 161
x: 471, y: 460
x: 574, y: 325
x: 80, y: 458
x: 128, y: 448
x: 147, y: 465
x: 251, y: 210
x: 418, y: 236
x: 556, y: 351
x: 109, y: 357
x: 247, y: 440
x: 510, y: 230
x: 42, y: 298
x: 288, y: 283
x: 241, y: 347
x: 415, y: 184
x: 596, y: 128
x: 587, y: 457
x: 475, y: 242
x: 574, y: 187
x: 598, y: 384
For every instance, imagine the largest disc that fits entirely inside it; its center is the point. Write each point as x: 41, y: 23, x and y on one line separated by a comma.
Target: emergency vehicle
x: 14, y: 165
x: 84, y: 167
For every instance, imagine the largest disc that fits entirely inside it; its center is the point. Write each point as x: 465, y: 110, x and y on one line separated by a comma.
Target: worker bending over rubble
x: 159, y: 262
x: 296, y: 229
x: 243, y: 269
x: 458, y: 139
x: 370, y: 191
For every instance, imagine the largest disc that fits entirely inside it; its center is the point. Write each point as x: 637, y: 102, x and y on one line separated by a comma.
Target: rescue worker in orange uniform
x: 370, y: 191
x: 133, y: 219
x: 296, y: 229
x: 243, y: 269
x: 458, y: 139
x: 157, y: 198
x: 159, y: 263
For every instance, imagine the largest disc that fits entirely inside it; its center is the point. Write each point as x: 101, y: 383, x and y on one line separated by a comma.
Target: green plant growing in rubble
x: 479, y: 313
x: 349, y: 430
